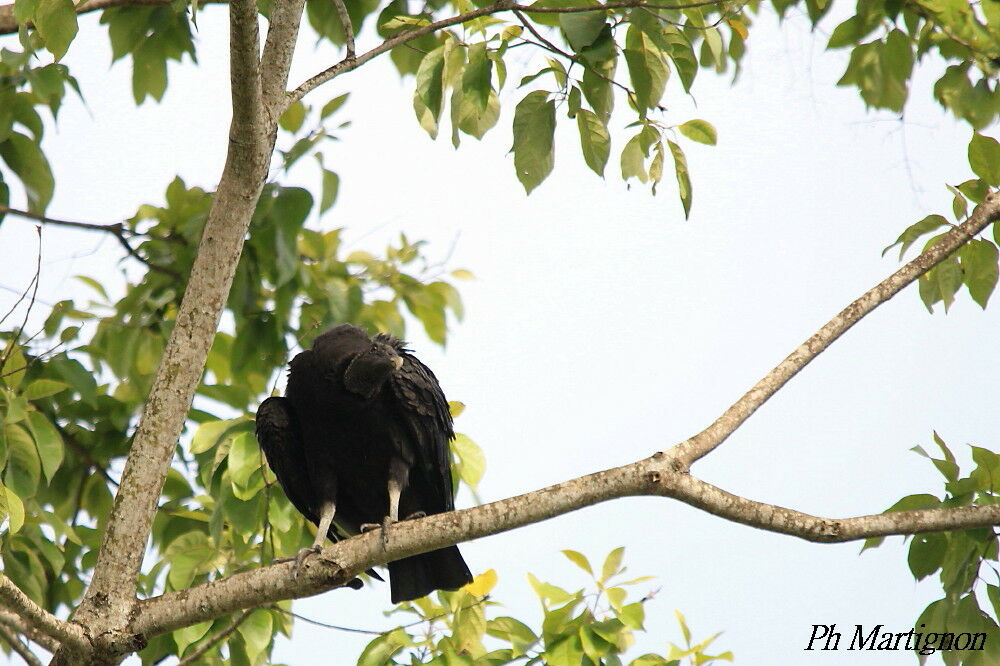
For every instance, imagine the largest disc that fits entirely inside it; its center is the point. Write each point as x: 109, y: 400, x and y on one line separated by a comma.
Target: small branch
x: 345, y: 20
x: 348, y: 65
x: 118, y: 230
x: 771, y: 518
x: 216, y: 638
x: 18, y: 646
x: 546, y: 44
x: 17, y: 602
x: 707, y: 440
x: 20, y: 627
x: 33, y: 287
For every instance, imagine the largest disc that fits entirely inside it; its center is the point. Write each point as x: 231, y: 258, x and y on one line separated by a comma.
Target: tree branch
x: 118, y: 230
x: 348, y: 64
x: 110, y: 599
x: 707, y: 440
x: 656, y: 475
x: 278, y: 50
x: 19, y: 626
x: 18, y: 603
x: 18, y: 646
x: 345, y: 20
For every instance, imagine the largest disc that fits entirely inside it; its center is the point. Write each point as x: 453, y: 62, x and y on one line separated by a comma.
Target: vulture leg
x: 399, y: 474
x: 327, y: 512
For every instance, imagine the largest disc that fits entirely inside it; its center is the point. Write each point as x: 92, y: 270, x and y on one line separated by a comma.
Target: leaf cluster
x: 965, y: 560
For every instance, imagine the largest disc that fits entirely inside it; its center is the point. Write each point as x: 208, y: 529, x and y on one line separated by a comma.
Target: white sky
x: 603, y: 327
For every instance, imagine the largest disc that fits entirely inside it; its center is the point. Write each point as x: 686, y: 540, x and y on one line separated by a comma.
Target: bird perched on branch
x: 360, y: 439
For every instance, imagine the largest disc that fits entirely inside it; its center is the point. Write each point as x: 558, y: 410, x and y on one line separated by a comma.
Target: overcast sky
x: 603, y: 326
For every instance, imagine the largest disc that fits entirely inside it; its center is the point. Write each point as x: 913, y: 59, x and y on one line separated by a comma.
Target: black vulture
x: 360, y: 439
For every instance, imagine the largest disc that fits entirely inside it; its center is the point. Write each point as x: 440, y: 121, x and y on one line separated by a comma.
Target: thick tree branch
x: 277, y: 57
x: 704, y: 442
x: 21, y: 627
x: 110, y: 600
x: 17, y: 602
x: 18, y: 646
x: 656, y: 475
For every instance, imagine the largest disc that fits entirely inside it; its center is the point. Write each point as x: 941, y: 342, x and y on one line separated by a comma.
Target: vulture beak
x: 397, y: 362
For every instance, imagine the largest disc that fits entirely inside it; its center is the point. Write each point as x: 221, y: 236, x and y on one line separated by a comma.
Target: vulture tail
x: 419, y: 575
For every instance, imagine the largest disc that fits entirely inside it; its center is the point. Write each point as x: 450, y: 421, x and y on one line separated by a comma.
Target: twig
x: 371, y: 632
x: 33, y: 286
x: 546, y: 44
x: 18, y: 602
x: 216, y: 638
x: 345, y: 20
x: 118, y: 230
x: 18, y: 646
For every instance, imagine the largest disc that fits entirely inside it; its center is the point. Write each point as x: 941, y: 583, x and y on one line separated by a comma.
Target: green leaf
x: 190, y: 555
x: 612, y: 564
x: 331, y: 107
x: 582, y: 28
x: 26, y: 159
x: 941, y: 283
x: 12, y: 508
x: 633, y: 615
x: 429, y: 83
x: 187, y: 636
x: 598, y: 93
x: 43, y: 388
x: 331, y: 186
x: 647, y: 69
x: 549, y: 593
x: 683, y: 179
x: 293, y: 117
x: 699, y: 130
x: 915, y: 231
x: 595, y: 142
x: 257, y: 631
x: 23, y: 466
x: 14, y: 367
x: 244, y: 458
x: 472, y: 462
x: 926, y: 554
x: 56, y: 23
x: 477, y: 76
x: 984, y: 158
x: 534, y: 127
x: 48, y: 442
x: 579, y: 560
x: 979, y: 261
x: 915, y: 503
x: 381, y: 650
x: 209, y: 434
x: 567, y: 652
